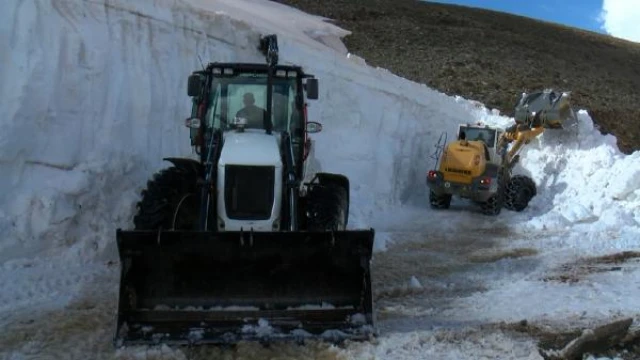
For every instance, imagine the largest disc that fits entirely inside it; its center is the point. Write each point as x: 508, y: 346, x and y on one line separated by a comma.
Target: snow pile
x: 583, y: 179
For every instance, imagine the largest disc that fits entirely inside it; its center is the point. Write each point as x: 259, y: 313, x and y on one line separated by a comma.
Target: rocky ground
x: 493, y: 57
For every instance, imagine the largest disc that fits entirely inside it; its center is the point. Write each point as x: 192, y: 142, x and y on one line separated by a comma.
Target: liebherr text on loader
x: 236, y: 246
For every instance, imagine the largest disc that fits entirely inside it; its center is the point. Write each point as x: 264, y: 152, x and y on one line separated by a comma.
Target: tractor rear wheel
x: 170, y: 201
x: 520, y: 190
x: 327, y: 206
x: 442, y: 201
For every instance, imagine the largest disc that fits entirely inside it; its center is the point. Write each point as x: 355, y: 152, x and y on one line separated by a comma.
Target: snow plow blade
x: 190, y: 287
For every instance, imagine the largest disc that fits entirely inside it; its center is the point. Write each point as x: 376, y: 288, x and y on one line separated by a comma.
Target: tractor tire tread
x: 159, y: 200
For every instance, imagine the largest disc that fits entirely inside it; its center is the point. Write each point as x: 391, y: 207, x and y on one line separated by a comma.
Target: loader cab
x: 488, y: 135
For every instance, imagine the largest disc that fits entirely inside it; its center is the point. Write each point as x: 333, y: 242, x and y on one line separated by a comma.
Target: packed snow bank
x: 94, y: 94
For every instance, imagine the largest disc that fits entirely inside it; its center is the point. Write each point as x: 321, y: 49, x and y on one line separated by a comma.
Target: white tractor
x: 238, y: 236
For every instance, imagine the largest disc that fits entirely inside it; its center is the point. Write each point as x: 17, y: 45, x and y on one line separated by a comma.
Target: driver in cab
x: 480, y: 137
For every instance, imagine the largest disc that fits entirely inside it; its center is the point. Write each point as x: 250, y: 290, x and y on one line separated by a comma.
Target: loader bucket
x: 191, y: 287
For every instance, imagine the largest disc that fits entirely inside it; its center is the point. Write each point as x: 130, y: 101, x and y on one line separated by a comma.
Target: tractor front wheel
x: 170, y: 201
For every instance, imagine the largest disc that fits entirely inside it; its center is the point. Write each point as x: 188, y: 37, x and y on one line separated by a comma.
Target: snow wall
x: 94, y: 94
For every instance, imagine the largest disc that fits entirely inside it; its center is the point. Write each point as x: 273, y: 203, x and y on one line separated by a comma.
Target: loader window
x: 488, y: 136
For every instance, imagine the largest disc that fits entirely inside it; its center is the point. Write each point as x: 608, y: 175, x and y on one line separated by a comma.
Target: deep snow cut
x: 94, y: 97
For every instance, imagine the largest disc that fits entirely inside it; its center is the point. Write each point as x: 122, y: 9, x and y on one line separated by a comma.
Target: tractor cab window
x: 245, y: 95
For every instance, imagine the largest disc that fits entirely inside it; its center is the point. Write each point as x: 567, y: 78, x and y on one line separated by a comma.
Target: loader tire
x: 327, y: 208
x: 171, y: 189
x: 520, y: 190
x: 439, y: 201
x: 493, y: 205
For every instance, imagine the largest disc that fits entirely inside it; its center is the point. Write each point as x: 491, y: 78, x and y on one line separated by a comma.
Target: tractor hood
x: 250, y: 148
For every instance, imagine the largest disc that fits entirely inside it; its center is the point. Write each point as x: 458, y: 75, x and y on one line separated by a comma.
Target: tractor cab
x: 239, y: 238
x: 243, y: 98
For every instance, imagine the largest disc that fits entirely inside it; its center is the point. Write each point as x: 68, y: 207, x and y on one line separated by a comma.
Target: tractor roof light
x: 228, y: 71
x: 281, y: 73
x: 217, y: 71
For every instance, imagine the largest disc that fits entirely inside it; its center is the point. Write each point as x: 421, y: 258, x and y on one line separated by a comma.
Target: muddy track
x: 415, y: 280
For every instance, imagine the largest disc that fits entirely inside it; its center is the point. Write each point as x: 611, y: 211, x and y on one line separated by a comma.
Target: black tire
x: 493, y: 205
x: 442, y: 201
x: 171, y: 189
x: 327, y: 208
x: 520, y: 190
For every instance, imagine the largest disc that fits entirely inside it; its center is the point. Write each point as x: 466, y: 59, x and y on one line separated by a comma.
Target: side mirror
x: 311, y: 86
x: 313, y: 127
x: 193, y: 123
x: 194, y: 87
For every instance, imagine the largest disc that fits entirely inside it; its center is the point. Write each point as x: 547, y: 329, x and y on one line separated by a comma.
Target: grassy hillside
x: 493, y: 57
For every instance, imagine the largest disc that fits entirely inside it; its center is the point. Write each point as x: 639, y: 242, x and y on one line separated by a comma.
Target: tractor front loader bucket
x: 190, y: 287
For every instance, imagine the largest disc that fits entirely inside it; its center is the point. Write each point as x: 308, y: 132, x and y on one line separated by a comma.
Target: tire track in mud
x: 420, y: 276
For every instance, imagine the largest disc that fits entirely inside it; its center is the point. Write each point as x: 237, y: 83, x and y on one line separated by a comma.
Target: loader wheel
x: 170, y: 201
x: 439, y: 201
x: 520, y: 190
x: 327, y: 208
x: 493, y: 205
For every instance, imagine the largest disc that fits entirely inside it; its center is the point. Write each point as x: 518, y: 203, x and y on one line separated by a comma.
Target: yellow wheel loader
x: 478, y: 164
x: 236, y: 246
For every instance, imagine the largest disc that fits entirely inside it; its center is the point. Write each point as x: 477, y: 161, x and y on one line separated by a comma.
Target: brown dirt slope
x: 493, y: 57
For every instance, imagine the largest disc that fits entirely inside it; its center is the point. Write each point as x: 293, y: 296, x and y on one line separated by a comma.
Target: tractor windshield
x: 245, y: 95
